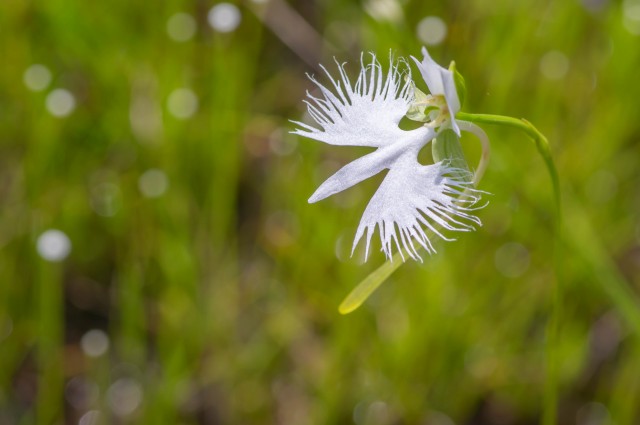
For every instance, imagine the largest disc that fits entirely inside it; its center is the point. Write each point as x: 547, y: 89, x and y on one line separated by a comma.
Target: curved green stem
x: 486, y: 149
x: 541, y: 142
x: 550, y: 402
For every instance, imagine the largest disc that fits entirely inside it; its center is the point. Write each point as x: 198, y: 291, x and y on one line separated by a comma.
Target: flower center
x: 432, y: 110
x: 439, y: 113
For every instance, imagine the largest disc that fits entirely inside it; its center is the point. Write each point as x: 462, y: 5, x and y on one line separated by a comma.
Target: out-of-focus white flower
x: 412, y: 198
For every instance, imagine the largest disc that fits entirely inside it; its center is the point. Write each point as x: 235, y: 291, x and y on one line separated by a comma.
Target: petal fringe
x: 415, y: 199
x: 364, y: 114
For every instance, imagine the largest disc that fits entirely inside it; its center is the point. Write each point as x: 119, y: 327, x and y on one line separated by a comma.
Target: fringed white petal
x: 440, y: 82
x: 353, y: 173
x: 364, y: 114
x: 414, y: 199
x: 372, y: 163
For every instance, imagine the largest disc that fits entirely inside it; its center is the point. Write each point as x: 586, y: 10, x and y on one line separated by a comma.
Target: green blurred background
x: 159, y: 263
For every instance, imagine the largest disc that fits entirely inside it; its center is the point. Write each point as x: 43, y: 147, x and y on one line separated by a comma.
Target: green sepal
x: 458, y: 79
x: 446, y: 147
x: 416, y: 111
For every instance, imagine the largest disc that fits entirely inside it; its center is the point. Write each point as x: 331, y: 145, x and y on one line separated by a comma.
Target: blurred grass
x: 219, y: 298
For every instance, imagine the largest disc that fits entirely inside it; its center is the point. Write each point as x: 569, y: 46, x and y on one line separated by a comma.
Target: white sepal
x: 440, y: 82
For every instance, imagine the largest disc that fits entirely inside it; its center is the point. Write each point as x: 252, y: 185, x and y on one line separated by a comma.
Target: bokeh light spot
x: 224, y: 17
x: 181, y: 27
x: 60, y: 103
x: 124, y: 396
x: 384, y: 10
x: 182, y: 103
x: 37, y: 77
x: 92, y: 417
x: 281, y: 143
x: 593, y: 414
x: 631, y: 16
x: 153, y: 183
x: 378, y: 413
x: 439, y: 418
x: 359, y: 412
x: 512, y: 259
x: 54, y: 245
x: 341, y: 248
x: 81, y: 393
x: 431, y: 30
x: 95, y: 343
x: 554, y: 65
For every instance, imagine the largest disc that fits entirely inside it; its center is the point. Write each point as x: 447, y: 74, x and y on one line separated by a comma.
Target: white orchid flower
x: 442, y: 86
x: 413, y: 199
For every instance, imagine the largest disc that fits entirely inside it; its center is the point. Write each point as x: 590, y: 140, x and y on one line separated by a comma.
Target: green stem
x: 541, y: 142
x: 550, y: 402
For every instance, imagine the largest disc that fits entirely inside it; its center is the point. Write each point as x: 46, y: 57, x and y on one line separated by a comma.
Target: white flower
x: 441, y: 83
x: 412, y: 198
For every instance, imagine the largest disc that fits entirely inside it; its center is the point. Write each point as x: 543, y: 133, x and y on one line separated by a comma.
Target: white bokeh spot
x: 92, y: 417
x: 124, y: 396
x: 182, y: 103
x: 37, y: 77
x: 384, y: 10
x: 94, y: 343
x: 432, y: 30
x: 631, y: 16
x: 153, y: 183
x: 181, y: 27
x: 224, y: 17
x: 554, y: 65
x: 60, y: 103
x: 54, y: 245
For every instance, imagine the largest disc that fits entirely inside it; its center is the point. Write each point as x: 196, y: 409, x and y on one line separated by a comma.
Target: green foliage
x: 218, y: 288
